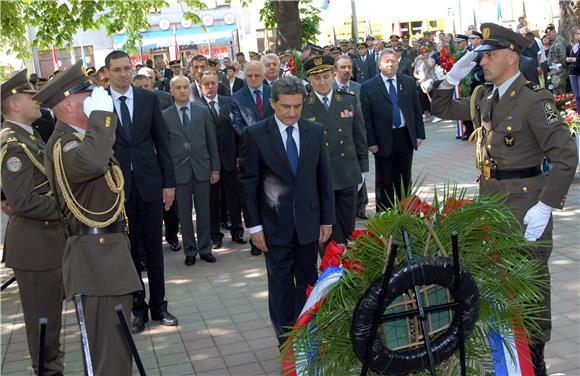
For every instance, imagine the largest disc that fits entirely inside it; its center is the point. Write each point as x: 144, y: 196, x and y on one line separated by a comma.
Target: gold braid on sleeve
x: 115, y: 182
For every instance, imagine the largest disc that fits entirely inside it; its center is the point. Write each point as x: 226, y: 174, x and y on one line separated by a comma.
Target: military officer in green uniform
x: 517, y: 124
x: 35, y: 234
x: 88, y: 183
x: 340, y: 114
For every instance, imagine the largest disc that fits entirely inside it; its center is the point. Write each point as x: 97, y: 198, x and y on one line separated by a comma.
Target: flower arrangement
x: 492, y: 248
x: 446, y: 58
x: 566, y: 104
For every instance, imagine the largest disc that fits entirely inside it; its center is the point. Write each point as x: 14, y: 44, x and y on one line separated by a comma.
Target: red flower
x: 353, y: 265
x: 452, y: 205
x: 415, y: 206
x: 332, y: 255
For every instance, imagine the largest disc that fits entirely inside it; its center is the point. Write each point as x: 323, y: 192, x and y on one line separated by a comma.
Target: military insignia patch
x: 311, y: 100
x: 79, y: 135
x: 312, y: 118
x: 486, y: 31
x: 13, y: 164
x: 338, y: 98
x: 551, y: 113
x: 70, y: 145
x: 317, y: 61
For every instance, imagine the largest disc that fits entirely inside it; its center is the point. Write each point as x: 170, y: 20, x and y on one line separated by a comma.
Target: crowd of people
x: 251, y: 146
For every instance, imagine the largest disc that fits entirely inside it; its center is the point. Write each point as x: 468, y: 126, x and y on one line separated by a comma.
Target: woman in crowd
x: 572, y: 55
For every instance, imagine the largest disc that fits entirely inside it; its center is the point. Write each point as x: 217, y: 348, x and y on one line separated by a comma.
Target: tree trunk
x: 289, y: 26
x: 569, y: 18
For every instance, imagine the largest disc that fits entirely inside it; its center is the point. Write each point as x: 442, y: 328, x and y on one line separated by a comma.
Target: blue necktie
x: 186, y: 121
x: 395, y: 100
x: 292, y: 151
x: 125, y: 116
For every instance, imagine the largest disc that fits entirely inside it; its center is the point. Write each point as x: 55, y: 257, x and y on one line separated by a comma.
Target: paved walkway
x: 224, y: 328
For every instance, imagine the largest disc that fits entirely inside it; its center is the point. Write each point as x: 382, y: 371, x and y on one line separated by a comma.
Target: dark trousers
x: 394, y: 169
x: 41, y: 294
x: 229, y: 188
x: 345, y: 204
x: 145, y: 222
x: 290, y: 269
x: 195, y: 193
x: 110, y: 351
x: 362, y: 199
x: 171, y: 221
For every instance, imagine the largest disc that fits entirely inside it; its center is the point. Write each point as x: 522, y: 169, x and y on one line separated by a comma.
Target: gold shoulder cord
x: 476, y: 136
x: 115, y: 182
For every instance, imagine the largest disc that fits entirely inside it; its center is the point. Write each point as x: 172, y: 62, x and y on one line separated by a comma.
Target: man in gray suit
x: 343, y: 74
x: 194, y: 150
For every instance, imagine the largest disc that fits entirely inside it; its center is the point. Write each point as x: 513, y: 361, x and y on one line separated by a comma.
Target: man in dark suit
x: 286, y: 175
x: 45, y: 124
x: 252, y: 103
x: 143, y: 153
x: 233, y: 83
x: 199, y: 64
x: 219, y: 108
x: 345, y: 136
x: 194, y: 152
x: 395, y: 128
x: 405, y: 64
x: 342, y: 70
x: 165, y: 75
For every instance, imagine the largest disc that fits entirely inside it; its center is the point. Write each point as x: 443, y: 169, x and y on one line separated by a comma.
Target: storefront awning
x: 221, y: 34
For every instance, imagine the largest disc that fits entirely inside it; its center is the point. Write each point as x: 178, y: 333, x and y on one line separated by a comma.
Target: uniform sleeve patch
x: 551, y: 113
x: 14, y: 164
x: 70, y: 145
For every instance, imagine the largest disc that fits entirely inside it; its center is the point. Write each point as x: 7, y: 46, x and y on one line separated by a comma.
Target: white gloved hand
x: 99, y: 100
x: 461, y: 68
x: 536, y: 220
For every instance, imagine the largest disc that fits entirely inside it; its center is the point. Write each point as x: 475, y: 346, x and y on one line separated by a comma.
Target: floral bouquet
x: 566, y: 104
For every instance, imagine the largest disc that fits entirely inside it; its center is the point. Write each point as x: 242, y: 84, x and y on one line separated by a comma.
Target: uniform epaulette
x: 535, y: 87
x: 6, y: 135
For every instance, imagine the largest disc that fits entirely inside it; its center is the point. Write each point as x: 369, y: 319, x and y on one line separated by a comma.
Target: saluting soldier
x: 516, y: 124
x: 35, y: 234
x: 340, y: 114
x: 88, y: 183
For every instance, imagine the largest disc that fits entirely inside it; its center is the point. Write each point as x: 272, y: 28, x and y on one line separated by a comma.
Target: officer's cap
x: 73, y: 80
x: 91, y: 71
x: 18, y: 83
x: 213, y: 62
x: 395, y: 36
x: 398, y: 47
x: 370, y: 37
x: 460, y: 38
x: 476, y: 34
x: 175, y: 63
x: 496, y: 37
x: 362, y: 45
x: 318, y: 64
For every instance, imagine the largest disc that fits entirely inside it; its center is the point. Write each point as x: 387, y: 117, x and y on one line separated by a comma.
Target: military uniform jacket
x: 525, y: 126
x: 345, y: 135
x: 94, y: 265
x: 35, y: 234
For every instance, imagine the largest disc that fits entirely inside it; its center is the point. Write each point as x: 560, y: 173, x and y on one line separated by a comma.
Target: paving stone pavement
x: 224, y: 327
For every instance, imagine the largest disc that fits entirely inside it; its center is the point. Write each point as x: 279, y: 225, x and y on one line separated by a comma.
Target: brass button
x: 325, y: 132
x: 487, y: 162
x: 327, y: 144
x: 107, y: 122
x: 102, y: 240
x: 488, y: 147
x: 46, y: 223
x: 508, y: 128
x: 340, y: 129
x: 341, y: 142
x: 342, y: 154
x: 525, y: 189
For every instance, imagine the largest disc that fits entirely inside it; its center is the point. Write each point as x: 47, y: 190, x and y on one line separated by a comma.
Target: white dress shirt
x: 329, y: 96
x: 27, y: 128
x: 387, y: 85
x: 216, y: 105
x: 503, y: 87
x: 180, y: 113
x: 129, y: 101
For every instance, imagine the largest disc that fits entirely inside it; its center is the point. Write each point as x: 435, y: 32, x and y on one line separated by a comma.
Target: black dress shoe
x: 189, y: 260
x: 165, y: 317
x: 138, y: 324
x: 208, y: 258
x: 255, y: 251
x: 362, y: 215
x: 175, y: 246
x: 216, y: 244
x: 226, y: 225
x: 239, y: 239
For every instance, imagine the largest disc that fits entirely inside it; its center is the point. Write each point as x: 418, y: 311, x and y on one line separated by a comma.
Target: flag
x: 55, y: 61
x: 334, y: 36
x: 397, y: 27
x: 177, y: 52
x: 524, y: 12
x: 516, y: 344
x: 499, y: 17
x: 474, y: 19
x: 325, y: 4
x: 83, y: 56
x: 368, y: 30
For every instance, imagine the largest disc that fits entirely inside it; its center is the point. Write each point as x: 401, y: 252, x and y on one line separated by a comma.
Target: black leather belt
x: 113, y: 228
x: 516, y: 173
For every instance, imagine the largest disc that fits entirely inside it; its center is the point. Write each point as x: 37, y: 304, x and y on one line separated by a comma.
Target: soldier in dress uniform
x: 344, y: 130
x: 88, y: 183
x: 35, y: 234
x: 517, y: 124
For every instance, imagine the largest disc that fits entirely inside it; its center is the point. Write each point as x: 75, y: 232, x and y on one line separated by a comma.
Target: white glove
x: 537, y: 219
x: 99, y: 100
x: 461, y: 68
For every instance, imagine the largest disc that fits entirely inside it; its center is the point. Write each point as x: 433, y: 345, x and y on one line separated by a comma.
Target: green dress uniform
x: 97, y: 261
x: 35, y: 234
x: 511, y: 145
x: 346, y: 143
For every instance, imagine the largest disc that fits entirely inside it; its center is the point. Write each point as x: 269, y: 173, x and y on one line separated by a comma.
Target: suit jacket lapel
x: 277, y: 145
x: 382, y: 88
x: 250, y: 101
x: 178, y: 123
x: 334, y: 110
x: 121, y: 132
x: 304, y: 146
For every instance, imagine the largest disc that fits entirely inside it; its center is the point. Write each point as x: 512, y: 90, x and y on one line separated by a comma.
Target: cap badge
x: 486, y: 32
x: 317, y: 61
x: 84, y: 71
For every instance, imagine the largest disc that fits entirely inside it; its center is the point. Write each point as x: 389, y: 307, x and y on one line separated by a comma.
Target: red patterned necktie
x: 259, y: 103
